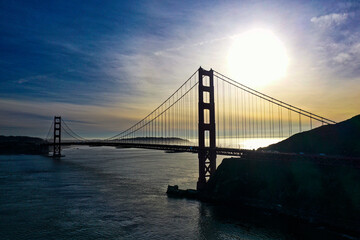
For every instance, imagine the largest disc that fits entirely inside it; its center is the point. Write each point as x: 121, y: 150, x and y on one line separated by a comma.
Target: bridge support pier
x: 57, y: 137
x: 207, y: 131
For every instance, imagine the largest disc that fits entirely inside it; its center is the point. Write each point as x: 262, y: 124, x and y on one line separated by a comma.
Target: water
x: 246, y: 143
x: 109, y: 193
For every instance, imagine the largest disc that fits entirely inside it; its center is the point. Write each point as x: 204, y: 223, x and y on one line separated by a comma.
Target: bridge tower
x: 206, y: 128
x: 57, y: 137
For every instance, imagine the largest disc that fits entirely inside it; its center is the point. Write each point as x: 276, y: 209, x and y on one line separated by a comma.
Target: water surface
x: 109, y: 193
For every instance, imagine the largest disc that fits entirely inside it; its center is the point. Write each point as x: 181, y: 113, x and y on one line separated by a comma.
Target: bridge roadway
x: 242, y: 153
x: 165, y: 147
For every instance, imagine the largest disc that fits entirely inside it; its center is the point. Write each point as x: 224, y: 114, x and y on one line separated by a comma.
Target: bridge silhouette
x: 209, y: 114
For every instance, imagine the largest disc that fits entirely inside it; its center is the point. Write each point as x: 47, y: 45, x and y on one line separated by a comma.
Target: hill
x: 323, y: 194
x: 341, y: 139
x: 21, y: 145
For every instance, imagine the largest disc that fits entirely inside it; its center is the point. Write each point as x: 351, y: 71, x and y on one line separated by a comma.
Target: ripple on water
x: 109, y: 193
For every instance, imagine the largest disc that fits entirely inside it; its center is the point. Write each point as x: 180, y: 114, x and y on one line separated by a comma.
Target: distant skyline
x: 103, y: 65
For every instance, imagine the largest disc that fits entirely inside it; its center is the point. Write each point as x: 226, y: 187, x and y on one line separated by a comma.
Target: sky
x: 103, y: 65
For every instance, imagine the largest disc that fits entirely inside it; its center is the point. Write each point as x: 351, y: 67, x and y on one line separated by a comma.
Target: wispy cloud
x: 104, y: 66
x: 32, y: 78
x: 342, y: 58
x: 88, y: 121
x: 201, y: 43
x: 329, y: 20
x: 336, y: 38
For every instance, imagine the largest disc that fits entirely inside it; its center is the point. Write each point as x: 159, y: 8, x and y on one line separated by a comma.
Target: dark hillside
x: 338, y: 139
x: 304, y: 189
x: 21, y: 145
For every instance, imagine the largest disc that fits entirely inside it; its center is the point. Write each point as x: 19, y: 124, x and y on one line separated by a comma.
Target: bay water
x: 119, y: 193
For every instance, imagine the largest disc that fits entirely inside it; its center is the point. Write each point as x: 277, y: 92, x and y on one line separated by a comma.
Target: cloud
x: 342, y: 58
x: 105, y: 65
x: 341, y: 55
x: 330, y: 20
x: 335, y: 43
x: 29, y: 79
x: 181, y: 47
x: 87, y: 121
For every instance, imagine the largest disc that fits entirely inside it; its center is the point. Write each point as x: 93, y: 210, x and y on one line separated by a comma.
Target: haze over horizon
x: 105, y: 65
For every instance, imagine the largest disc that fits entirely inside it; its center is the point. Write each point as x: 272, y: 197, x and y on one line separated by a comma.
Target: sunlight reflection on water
x: 243, y: 143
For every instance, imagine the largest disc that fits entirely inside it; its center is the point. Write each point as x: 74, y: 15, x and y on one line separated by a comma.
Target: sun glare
x: 257, y: 57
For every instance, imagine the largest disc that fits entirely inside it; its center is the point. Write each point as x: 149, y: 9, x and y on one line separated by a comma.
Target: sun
x: 257, y: 57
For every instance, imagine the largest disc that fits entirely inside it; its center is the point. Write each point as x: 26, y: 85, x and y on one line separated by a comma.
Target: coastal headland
x: 319, y: 182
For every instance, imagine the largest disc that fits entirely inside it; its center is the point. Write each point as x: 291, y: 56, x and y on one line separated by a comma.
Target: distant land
x: 342, y: 139
x: 156, y: 139
x: 33, y: 145
x: 21, y: 145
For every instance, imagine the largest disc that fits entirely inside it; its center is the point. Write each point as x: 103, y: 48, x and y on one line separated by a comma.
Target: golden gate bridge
x: 209, y: 114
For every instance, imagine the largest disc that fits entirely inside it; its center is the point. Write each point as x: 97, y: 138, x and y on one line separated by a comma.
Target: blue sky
x: 97, y: 62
